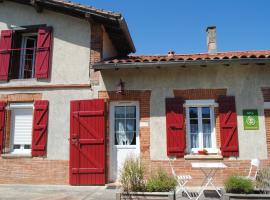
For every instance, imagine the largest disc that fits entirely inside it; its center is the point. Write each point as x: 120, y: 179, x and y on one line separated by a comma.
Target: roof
x: 113, y: 22
x: 185, y: 59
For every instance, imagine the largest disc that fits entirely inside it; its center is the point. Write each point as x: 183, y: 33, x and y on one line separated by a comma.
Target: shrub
x: 263, y: 179
x: 237, y: 184
x: 132, y: 175
x: 160, y: 181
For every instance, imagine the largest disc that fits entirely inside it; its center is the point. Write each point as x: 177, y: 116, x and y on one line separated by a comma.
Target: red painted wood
x: 87, y: 142
x: 40, y: 128
x: 176, y: 142
x: 43, y: 53
x: 5, y: 46
x: 2, y: 124
x: 228, y: 126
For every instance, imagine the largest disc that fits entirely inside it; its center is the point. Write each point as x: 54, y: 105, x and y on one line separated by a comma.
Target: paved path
x: 61, y: 192
x: 55, y: 192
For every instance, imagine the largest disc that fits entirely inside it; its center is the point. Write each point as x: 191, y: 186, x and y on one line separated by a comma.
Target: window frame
x: 112, y: 123
x: 16, y: 106
x: 25, y: 36
x: 199, y: 104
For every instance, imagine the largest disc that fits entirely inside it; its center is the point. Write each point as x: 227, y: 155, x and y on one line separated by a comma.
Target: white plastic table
x: 209, y: 170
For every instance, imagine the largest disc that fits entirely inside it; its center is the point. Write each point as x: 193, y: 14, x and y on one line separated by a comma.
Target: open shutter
x: 2, y: 124
x: 5, y: 46
x: 228, y: 126
x: 40, y: 128
x: 176, y: 143
x: 43, y: 53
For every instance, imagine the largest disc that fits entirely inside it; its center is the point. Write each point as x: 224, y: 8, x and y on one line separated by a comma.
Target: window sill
x: 203, y: 157
x: 13, y: 156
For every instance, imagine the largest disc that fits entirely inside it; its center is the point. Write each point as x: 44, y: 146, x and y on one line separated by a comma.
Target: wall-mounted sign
x: 251, y: 120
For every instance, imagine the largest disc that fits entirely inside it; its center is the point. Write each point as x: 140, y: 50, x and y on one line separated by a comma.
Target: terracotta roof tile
x: 190, y: 57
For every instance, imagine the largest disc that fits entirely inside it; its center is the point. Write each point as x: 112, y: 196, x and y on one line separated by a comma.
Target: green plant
x: 160, y: 181
x: 263, y: 179
x: 132, y: 175
x: 237, y: 184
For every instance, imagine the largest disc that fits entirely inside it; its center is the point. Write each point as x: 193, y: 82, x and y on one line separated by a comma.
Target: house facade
x: 74, y: 105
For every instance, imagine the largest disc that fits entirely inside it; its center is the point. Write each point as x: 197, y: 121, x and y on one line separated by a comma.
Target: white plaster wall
x: 244, y: 82
x: 59, y: 118
x: 70, y: 65
x: 71, y: 41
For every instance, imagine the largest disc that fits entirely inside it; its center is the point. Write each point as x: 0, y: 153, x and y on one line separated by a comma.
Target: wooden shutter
x: 228, y: 126
x: 40, y: 128
x: 5, y: 46
x: 2, y: 124
x: 176, y: 143
x: 87, y: 142
x: 43, y: 53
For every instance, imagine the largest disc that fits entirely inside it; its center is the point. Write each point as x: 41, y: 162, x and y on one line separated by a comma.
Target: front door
x: 124, y: 135
x: 87, y: 142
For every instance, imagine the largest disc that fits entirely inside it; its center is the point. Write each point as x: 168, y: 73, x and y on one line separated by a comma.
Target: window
x: 125, y: 120
x: 21, y: 127
x: 23, y: 55
x: 201, y: 125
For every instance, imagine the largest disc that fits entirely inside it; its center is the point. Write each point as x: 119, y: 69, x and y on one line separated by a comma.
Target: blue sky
x: 157, y: 26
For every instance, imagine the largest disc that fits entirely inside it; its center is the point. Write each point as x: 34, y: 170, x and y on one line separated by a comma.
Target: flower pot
x: 232, y: 196
x: 145, y: 195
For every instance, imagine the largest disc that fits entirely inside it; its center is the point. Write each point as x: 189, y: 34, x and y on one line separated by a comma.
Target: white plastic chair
x: 182, y: 180
x: 253, y: 171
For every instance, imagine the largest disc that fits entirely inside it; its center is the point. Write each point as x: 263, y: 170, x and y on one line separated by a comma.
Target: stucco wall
x: 108, y: 48
x: 71, y: 41
x: 244, y: 82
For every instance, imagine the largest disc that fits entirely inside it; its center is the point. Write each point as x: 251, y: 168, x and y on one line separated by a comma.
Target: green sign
x: 251, y: 120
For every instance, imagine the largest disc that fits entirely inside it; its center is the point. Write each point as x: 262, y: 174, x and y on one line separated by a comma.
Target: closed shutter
x: 87, y: 142
x: 228, y: 126
x: 43, y: 53
x: 2, y: 124
x: 176, y: 143
x: 40, y: 128
x: 5, y: 46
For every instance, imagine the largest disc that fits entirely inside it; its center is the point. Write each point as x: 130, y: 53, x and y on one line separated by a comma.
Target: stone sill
x: 13, y: 156
x: 203, y: 157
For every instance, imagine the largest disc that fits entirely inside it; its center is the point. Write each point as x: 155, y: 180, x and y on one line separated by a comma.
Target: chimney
x: 211, y: 40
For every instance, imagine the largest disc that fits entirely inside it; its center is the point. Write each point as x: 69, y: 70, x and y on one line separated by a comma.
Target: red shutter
x: 43, y: 53
x: 87, y: 142
x: 176, y: 143
x: 5, y: 46
x: 228, y: 126
x: 2, y: 124
x: 40, y: 128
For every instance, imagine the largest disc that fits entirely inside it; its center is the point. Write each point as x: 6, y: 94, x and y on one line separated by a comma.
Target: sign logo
x: 251, y: 121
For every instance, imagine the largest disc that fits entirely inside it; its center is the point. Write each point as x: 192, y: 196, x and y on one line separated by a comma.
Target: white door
x: 124, y: 135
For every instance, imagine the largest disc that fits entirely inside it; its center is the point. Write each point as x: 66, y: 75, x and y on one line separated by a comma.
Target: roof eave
x: 183, y: 63
x: 108, y: 20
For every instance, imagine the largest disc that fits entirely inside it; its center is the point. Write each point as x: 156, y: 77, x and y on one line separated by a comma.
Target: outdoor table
x: 209, y: 170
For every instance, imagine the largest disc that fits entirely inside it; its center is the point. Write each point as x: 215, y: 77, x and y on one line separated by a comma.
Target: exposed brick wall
x: 96, y: 51
x: 266, y: 94
x: 200, y: 93
x: 143, y: 97
x: 33, y: 171
x: 267, y: 128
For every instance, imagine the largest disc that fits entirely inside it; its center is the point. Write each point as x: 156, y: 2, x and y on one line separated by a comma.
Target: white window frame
x: 14, y: 106
x: 199, y: 104
x: 112, y: 121
x: 25, y: 37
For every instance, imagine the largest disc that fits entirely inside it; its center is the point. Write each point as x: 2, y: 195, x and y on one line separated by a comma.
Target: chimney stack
x: 171, y: 53
x: 211, y: 40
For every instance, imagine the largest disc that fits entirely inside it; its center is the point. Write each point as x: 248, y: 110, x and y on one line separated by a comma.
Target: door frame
x: 113, y: 148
